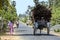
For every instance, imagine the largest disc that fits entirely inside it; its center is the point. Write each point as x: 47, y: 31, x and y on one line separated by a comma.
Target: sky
x: 22, y: 5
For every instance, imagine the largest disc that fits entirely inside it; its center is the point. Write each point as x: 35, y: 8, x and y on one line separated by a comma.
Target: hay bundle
x: 41, y: 11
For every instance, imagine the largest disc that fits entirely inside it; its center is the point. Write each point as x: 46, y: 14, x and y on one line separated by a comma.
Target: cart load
x: 41, y: 11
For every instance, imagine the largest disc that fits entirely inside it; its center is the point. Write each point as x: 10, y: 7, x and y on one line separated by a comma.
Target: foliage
x: 56, y: 30
x: 8, y: 12
x: 55, y: 16
x: 8, y: 15
x: 23, y: 19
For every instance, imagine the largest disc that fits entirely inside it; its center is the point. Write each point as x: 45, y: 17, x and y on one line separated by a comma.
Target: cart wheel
x: 48, y: 30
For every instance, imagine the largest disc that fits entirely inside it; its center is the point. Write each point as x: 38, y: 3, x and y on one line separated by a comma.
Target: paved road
x: 26, y: 33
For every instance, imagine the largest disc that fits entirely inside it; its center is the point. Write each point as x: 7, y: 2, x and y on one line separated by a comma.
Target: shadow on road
x: 30, y: 35
x: 34, y: 35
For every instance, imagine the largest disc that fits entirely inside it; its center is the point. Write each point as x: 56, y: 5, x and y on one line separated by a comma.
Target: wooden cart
x: 39, y: 14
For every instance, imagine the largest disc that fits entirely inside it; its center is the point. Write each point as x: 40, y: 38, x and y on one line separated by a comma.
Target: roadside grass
x: 2, y: 33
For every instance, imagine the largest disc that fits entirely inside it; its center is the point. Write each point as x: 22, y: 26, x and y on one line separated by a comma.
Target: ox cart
x: 41, y: 17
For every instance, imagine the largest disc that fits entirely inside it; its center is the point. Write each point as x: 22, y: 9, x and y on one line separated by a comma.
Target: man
x: 36, y: 22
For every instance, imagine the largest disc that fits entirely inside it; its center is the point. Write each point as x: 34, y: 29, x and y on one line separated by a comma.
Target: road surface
x: 26, y: 33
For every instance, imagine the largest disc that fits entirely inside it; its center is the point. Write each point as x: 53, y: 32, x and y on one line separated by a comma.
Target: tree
x: 8, y: 10
x: 36, y: 2
x: 13, y: 3
x: 55, y: 12
x: 4, y: 2
x: 43, y: 3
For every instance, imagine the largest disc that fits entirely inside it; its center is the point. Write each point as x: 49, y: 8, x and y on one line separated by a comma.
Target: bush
x: 56, y: 30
